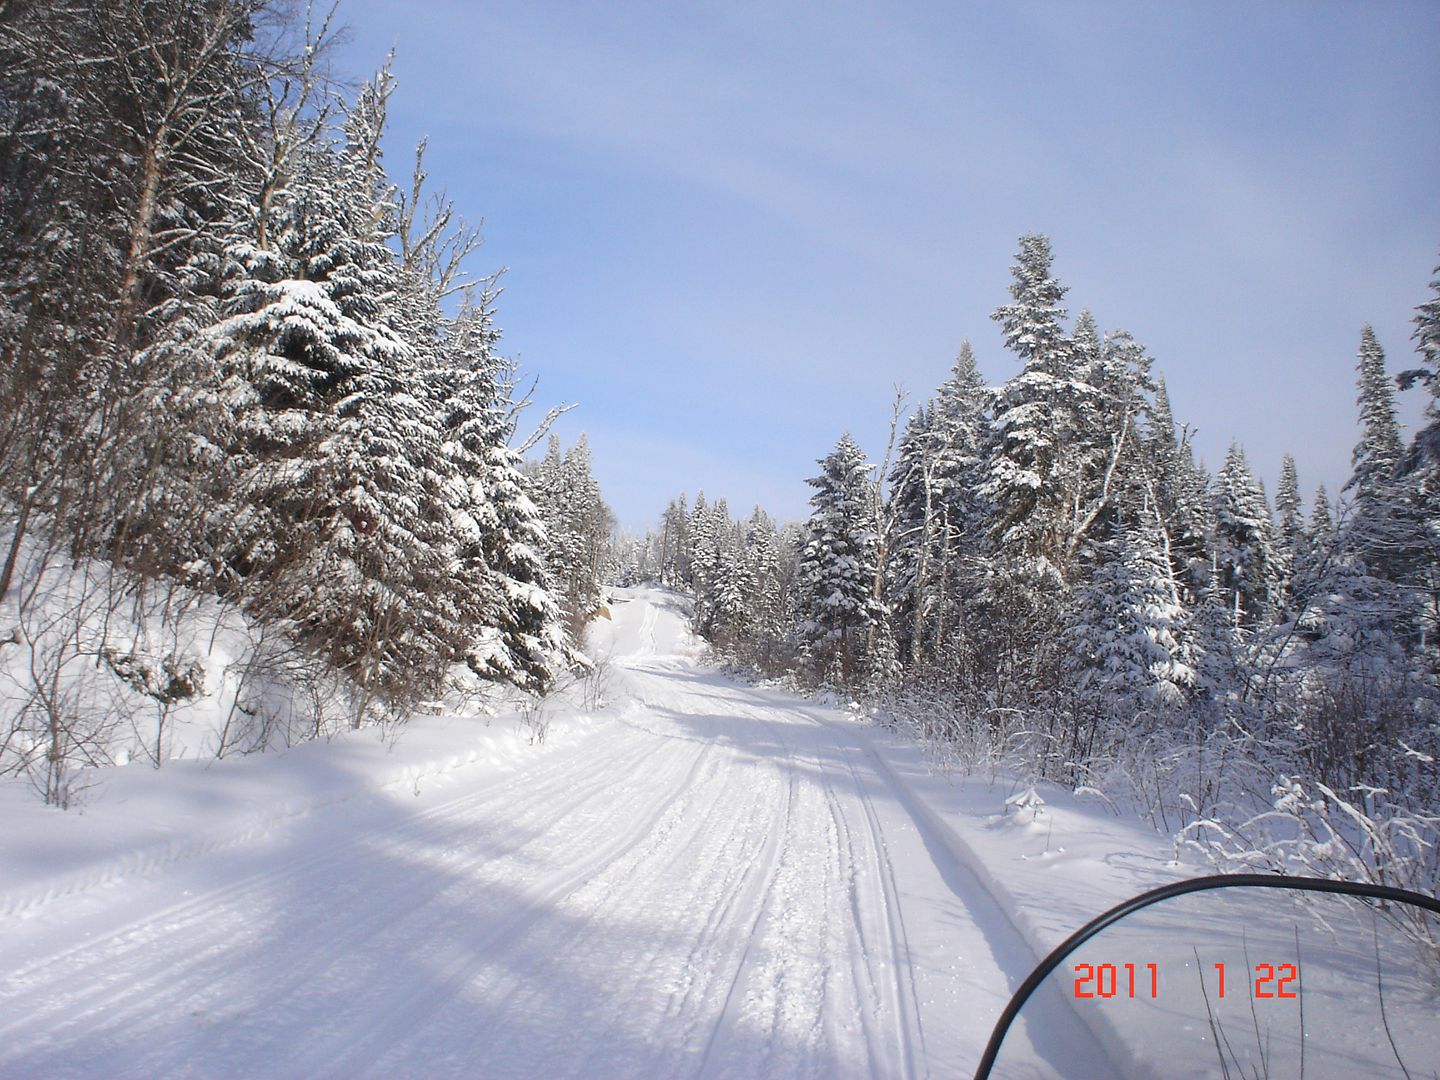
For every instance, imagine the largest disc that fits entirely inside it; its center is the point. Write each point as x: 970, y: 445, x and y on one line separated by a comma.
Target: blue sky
x: 730, y: 229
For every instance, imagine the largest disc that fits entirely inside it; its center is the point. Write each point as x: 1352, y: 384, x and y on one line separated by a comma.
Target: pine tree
x: 1124, y: 631
x: 711, y: 536
x: 912, y: 508
x: 1383, y: 530
x: 1179, y: 488
x: 509, y: 627
x: 1112, y: 487
x: 938, y: 511
x: 1291, y: 542
x: 1322, y: 523
x: 1033, y: 420
x: 1421, y: 484
x: 836, y: 608
x: 1246, y: 572
x: 119, y: 133
x: 1377, y: 455
x: 738, y: 583
x: 1426, y: 450
x: 768, y: 599
x: 340, y: 496
x: 675, y: 547
x: 578, y: 526
x: 1290, y: 523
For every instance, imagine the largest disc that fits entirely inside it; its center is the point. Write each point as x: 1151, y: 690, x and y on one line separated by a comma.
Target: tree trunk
x: 7, y: 575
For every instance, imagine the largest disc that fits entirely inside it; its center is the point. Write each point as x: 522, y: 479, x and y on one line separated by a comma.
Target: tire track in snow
x: 199, y: 907
x: 906, y: 999
x: 694, y: 1009
x: 884, y: 908
x: 223, y: 917
x: 751, y: 895
x: 1060, y: 1041
x: 348, y: 1051
x: 620, y: 931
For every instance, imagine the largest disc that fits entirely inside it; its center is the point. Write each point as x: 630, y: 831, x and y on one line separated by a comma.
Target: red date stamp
x: 1143, y: 980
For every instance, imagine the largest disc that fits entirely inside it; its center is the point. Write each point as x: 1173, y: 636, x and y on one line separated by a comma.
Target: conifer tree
x: 836, y: 608
x: 1179, y: 489
x: 1377, y: 455
x: 1033, y: 419
x: 675, y: 546
x: 938, y: 512
x: 1246, y: 573
x: 122, y: 163
x: 1322, y: 523
x: 1291, y: 543
x: 1290, y: 523
x: 1385, y: 528
x: 578, y: 526
x: 1421, y: 485
x: 1124, y: 630
x: 769, y: 600
x: 510, y: 627
x: 334, y: 430
x: 1426, y: 450
x: 912, y: 508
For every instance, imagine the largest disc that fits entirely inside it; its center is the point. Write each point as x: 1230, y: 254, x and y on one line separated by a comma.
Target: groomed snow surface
x: 702, y: 878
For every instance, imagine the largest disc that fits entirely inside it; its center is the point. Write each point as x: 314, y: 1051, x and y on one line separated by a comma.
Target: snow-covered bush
x: 1311, y: 830
x: 102, y: 666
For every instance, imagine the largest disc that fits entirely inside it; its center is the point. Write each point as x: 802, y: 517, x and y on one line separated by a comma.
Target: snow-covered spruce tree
x: 1422, y: 479
x: 1377, y: 455
x: 1062, y: 453
x: 938, y: 514
x: 335, y: 433
x: 1026, y: 484
x: 1035, y: 418
x: 675, y: 545
x: 1179, y: 488
x: 1352, y: 684
x: 1384, y: 530
x: 1321, y: 546
x: 740, y: 582
x: 1247, y: 577
x: 1426, y: 449
x: 1322, y: 521
x: 504, y: 619
x: 770, y: 568
x: 1292, y: 543
x: 511, y: 630
x: 1365, y: 699
x: 1113, y: 488
x: 913, y: 510
x: 577, y: 524
x: 1123, y: 629
x: 734, y: 587
x: 836, y: 609
x: 706, y: 538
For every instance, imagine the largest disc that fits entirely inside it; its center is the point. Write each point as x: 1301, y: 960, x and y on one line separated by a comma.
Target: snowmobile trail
x: 717, y: 882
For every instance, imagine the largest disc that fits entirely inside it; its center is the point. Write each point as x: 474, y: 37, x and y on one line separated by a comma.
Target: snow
x: 702, y: 878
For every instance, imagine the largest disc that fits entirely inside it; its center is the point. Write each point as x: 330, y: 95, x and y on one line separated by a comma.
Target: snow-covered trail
x: 721, y: 882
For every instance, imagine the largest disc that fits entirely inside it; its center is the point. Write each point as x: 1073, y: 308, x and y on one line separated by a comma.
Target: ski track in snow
x: 718, y: 883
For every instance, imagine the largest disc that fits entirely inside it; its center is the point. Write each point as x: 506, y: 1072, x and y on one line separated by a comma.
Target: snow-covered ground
x: 703, y: 878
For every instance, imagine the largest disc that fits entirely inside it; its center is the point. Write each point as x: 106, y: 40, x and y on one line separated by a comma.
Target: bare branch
x: 544, y: 426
